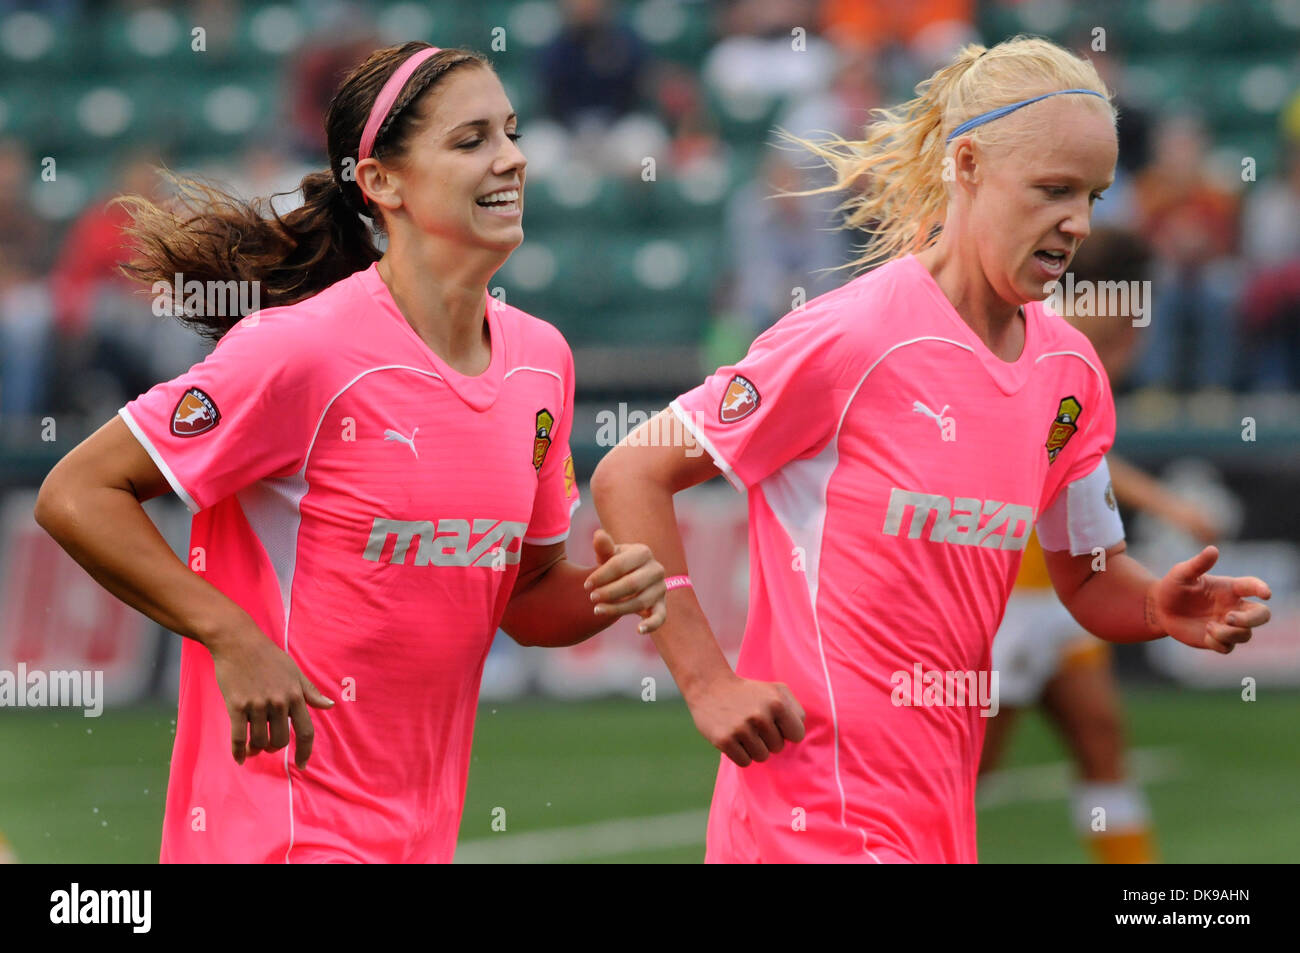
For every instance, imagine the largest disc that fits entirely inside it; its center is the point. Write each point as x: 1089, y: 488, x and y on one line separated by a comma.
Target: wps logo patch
x: 740, y: 400
x: 195, y: 413
x: 542, y: 442
x: 1063, y: 427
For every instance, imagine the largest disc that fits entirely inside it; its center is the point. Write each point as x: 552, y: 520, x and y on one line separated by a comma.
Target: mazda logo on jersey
x: 195, y: 413
x: 958, y: 520
x: 487, y: 543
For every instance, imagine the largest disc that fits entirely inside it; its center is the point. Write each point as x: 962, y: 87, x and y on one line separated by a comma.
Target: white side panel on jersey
x: 1083, y: 517
x: 273, y: 508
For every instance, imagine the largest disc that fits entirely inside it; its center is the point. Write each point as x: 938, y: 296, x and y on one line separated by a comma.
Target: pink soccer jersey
x: 367, y: 505
x: 895, y: 468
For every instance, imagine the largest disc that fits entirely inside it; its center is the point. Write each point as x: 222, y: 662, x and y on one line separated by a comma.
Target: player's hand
x: 265, y: 693
x: 746, y: 720
x: 1206, y: 612
x: 628, y: 579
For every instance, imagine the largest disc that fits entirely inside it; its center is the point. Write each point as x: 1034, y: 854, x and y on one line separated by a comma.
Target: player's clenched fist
x: 265, y: 694
x: 747, y: 720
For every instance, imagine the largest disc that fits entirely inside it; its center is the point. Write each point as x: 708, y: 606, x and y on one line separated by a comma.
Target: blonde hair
x: 897, y: 172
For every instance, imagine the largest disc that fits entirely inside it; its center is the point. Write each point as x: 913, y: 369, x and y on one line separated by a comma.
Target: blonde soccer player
x: 899, y: 438
x: 1042, y: 657
x: 378, y: 466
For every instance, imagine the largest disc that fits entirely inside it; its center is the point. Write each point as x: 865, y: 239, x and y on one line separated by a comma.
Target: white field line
x: 583, y: 841
x: 625, y: 835
x: 1053, y: 781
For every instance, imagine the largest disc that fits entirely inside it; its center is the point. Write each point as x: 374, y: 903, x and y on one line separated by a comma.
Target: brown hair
x: 206, y: 234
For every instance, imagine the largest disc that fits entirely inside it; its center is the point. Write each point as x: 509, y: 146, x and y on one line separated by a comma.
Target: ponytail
x: 205, y: 234
x: 897, y: 172
x: 210, y: 235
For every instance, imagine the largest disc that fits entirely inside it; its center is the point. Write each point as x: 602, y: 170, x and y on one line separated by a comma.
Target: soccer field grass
x: 629, y: 781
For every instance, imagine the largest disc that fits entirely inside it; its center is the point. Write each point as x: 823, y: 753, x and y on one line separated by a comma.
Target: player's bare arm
x: 91, y: 504
x: 556, y: 602
x: 1124, y: 602
x: 633, y: 491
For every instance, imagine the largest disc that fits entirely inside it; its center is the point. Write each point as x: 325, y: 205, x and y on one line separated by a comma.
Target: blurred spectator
x: 59, y: 9
x: 1271, y: 218
x: 1192, y: 224
x: 593, y: 72
x: 1119, y: 208
x: 760, y: 56
x: 314, y: 75
x: 1271, y: 303
x: 1290, y: 120
x: 1134, y: 126
x: 111, y: 346
x: 692, y: 128
x: 843, y: 108
x: 780, y: 243
x: 26, y: 332
x: 883, y: 23
x: 595, y: 75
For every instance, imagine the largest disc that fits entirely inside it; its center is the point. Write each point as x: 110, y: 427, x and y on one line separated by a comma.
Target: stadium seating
x: 78, y: 91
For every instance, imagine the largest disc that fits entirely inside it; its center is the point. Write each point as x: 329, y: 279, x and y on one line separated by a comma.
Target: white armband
x: 1083, y: 517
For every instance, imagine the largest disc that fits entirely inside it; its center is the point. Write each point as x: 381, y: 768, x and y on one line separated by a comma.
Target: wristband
x: 678, y: 582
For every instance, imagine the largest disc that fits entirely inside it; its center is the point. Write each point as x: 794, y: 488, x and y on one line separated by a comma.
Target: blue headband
x: 1001, y: 111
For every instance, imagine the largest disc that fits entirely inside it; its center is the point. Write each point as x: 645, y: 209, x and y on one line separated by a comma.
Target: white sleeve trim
x: 550, y: 540
x: 546, y: 540
x: 719, y: 461
x: 150, y: 449
x: 1083, y: 517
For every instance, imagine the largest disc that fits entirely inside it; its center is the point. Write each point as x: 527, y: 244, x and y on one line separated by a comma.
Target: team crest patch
x: 740, y: 400
x: 1063, y: 427
x: 569, y: 478
x: 195, y: 413
x: 542, y: 442
x: 1110, y: 495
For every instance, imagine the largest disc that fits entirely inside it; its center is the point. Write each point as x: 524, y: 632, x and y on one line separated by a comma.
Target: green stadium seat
x: 673, y: 30
x: 1246, y: 91
x: 698, y: 199
x: 576, y: 201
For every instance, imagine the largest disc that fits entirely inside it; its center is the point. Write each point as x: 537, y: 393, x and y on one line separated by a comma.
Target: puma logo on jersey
x: 489, y: 543
x: 957, y: 521
x: 947, y: 426
x: 409, y: 441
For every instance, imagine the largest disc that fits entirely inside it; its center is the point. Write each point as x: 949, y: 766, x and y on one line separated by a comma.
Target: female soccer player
x: 899, y: 438
x: 1041, y: 656
x: 379, y: 469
